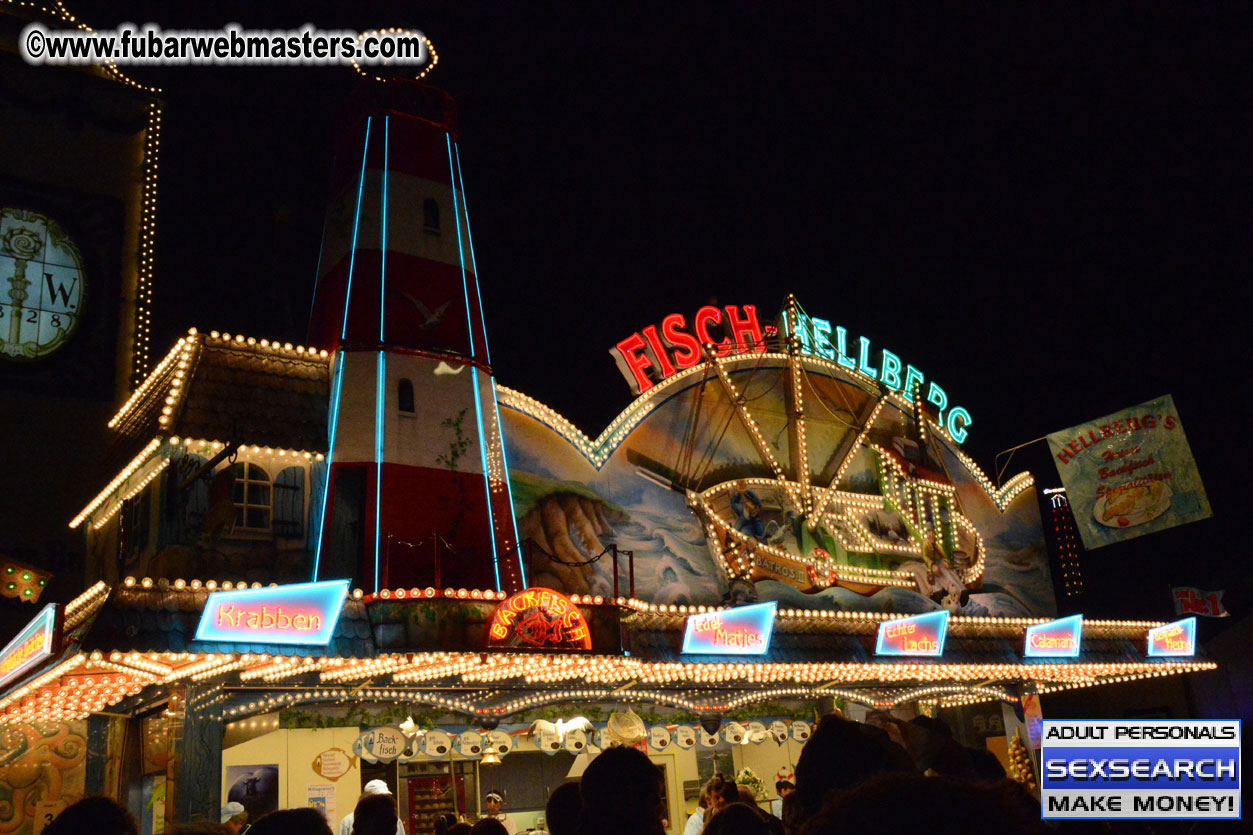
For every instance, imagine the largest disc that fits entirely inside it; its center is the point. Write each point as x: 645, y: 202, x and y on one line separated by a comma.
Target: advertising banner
x: 1193, y: 601
x: 1129, y: 473
x: 1140, y: 769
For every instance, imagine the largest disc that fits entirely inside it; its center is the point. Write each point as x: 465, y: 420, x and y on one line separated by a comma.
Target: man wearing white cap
x: 372, y: 787
x: 235, y: 817
x: 494, y: 802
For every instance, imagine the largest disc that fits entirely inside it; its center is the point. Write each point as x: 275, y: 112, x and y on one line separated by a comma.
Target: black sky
x: 1044, y: 206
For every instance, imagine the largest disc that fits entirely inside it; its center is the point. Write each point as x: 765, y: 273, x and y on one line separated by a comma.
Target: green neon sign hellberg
x: 819, y: 338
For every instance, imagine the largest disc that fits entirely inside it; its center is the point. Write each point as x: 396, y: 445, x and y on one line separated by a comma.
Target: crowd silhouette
x: 885, y: 776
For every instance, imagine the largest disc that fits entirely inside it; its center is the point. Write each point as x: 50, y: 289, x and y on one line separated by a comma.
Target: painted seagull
x: 431, y: 319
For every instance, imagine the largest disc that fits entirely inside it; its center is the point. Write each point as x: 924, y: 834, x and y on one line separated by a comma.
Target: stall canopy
x: 433, y: 647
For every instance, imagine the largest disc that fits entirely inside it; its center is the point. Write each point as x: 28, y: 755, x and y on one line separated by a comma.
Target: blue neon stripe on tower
x: 383, y: 234
x: 474, y: 265
x: 352, y: 253
x: 487, y: 483
x: 336, y: 385
x: 378, y: 460
x: 504, y: 460
x: 456, y: 217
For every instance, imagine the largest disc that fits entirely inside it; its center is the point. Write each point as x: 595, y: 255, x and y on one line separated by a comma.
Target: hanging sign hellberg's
x: 1129, y: 473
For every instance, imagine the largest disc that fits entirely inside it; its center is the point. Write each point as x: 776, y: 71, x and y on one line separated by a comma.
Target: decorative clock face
x: 42, y: 285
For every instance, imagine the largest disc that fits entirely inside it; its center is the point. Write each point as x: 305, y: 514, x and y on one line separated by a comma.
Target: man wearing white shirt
x: 372, y: 787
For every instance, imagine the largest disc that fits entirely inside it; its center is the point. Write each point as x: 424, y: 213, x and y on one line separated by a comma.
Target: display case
x: 435, y: 788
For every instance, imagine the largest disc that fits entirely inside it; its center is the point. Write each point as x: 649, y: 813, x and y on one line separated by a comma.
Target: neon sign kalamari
x: 1055, y: 639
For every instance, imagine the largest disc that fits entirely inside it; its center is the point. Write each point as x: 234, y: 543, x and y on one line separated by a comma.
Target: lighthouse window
x: 252, y: 496
x: 404, y: 395
x: 430, y: 216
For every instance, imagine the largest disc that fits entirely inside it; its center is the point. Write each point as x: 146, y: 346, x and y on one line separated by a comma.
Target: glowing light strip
x: 474, y: 266
x: 148, y: 383
x: 456, y: 216
x: 207, y: 446
x: 378, y: 460
x: 383, y: 234
x: 84, y: 604
x: 352, y: 253
x: 130, y: 494
x: 487, y: 350
x: 336, y: 387
x: 127, y: 471
x: 504, y: 464
x: 487, y: 483
x: 77, y: 699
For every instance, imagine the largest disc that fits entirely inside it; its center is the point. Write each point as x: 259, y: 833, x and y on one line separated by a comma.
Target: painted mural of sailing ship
x: 763, y: 461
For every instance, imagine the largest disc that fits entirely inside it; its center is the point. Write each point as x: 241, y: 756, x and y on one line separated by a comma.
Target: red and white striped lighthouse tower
x: 416, y: 491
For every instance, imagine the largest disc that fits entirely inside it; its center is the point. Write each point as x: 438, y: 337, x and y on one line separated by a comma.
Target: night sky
x: 1043, y: 206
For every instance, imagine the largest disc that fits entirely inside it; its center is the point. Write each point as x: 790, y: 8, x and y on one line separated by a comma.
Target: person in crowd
x: 746, y: 795
x: 727, y: 792
x: 201, y: 828
x: 234, y: 817
x: 307, y: 821
x: 782, y: 788
x: 495, y: 803
x: 985, y: 764
x: 696, y: 821
x: 372, y: 787
x: 621, y: 794
x: 562, y: 812
x: 445, y: 822
x: 375, y: 815
x: 936, y: 805
x: 97, y: 815
x: 741, y: 819
x: 488, y: 826
x: 460, y: 828
x: 937, y: 752
x: 841, y: 754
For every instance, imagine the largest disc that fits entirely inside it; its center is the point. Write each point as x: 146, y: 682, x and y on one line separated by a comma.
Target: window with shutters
x: 253, y: 497
x: 289, y: 503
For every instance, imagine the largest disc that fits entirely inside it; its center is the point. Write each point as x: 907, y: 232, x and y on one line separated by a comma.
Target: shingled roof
x: 234, y: 390
x: 143, y: 620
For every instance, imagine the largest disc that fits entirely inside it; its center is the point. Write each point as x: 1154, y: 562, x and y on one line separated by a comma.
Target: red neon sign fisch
x: 649, y: 356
